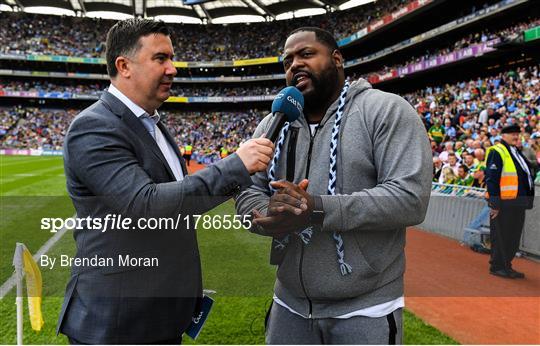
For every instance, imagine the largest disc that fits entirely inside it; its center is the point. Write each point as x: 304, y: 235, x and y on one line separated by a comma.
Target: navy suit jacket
x: 114, y: 166
x: 494, y: 165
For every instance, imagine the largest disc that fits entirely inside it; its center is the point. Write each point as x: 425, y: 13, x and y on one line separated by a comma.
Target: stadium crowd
x: 462, y: 120
x: 95, y: 88
x: 8, y: 118
x: 213, y: 135
x: 220, y: 90
x: 486, y: 35
x: 24, y: 33
x: 35, y: 128
x: 41, y: 85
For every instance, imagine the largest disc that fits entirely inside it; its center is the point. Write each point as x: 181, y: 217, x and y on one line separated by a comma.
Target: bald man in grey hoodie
x: 350, y: 176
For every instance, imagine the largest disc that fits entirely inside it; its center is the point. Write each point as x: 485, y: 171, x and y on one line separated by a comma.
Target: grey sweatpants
x: 284, y: 327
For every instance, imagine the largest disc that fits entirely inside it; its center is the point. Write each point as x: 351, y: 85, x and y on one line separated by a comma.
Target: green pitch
x: 235, y: 262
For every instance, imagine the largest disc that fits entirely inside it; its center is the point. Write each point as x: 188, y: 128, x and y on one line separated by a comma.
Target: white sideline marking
x: 12, y: 281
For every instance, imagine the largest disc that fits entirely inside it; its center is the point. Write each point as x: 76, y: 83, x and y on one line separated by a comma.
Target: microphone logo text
x: 294, y: 102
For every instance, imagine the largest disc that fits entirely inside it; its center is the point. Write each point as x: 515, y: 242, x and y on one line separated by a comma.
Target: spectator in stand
x: 463, y: 176
x: 437, y: 169
x: 448, y: 176
x: 529, y: 154
x: 436, y: 132
x: 479, y: 156
x: 478, y: 173
x: 449, y: 130
x: 435, y: 149
x: 484, y: 115
x: 453, y: 165
x: 459, y: 148
x: 468, y: 160
x: 448, y: 148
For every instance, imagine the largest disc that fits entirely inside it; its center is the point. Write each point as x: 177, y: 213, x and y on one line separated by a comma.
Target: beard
x: 324, y: 86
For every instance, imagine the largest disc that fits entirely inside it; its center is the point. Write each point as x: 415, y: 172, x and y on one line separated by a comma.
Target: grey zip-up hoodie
x: 383, y: 185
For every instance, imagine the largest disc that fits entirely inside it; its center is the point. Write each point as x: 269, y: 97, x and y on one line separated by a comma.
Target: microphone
x: 287, y: 106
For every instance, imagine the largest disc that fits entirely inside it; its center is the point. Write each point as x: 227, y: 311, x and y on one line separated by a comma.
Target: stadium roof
x: 186, y: 11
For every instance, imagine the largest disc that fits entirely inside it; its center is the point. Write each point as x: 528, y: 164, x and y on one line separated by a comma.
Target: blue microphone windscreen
x: 290, y: 102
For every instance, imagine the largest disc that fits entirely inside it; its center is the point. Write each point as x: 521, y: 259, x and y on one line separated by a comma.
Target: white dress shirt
x: 164, y: 146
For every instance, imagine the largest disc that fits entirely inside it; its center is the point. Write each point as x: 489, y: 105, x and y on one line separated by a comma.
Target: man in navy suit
x: 120, y: 160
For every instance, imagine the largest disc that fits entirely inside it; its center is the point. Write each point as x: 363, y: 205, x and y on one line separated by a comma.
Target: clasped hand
x: 289, y: 209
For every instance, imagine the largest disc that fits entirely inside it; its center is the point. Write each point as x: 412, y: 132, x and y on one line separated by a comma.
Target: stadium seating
x: 513, y: 96
x: 54, y: 35
x: 475, y: 108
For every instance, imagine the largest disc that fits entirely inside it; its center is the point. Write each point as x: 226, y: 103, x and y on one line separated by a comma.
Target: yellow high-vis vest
x: 188, y: 149
x: 509, y: 177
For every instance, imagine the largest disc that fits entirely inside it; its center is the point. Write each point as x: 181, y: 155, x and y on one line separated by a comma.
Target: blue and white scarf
x: 306, y: 234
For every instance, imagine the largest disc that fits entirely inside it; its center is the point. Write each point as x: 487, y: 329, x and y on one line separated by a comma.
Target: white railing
x: 457, y: 190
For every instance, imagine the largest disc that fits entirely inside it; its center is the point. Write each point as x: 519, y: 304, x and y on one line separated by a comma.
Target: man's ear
x: 338, y: 58
x: 123, y: 66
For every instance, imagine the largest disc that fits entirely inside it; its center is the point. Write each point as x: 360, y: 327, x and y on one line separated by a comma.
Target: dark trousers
x: 187, y: 157
x: 505, y: 233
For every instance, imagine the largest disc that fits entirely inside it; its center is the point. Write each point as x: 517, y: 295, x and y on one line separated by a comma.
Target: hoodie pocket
x: 322, y: 273
x: 369, y: 262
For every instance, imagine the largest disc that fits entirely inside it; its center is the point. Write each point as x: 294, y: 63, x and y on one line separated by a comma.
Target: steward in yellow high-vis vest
x: 508, y: 183
x: 510, y: 191
x: 188, y: 149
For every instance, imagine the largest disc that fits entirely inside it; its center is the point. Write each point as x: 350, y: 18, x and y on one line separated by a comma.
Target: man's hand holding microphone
x: 256, y: 154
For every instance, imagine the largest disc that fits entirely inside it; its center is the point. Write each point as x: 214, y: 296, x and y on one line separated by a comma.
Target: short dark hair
x: 123, y: 38
x: 321, y: 35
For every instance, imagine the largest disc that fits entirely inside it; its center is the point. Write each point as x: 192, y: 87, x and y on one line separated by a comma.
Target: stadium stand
x: 36, y: 128
x: 473, y: 112
x: 93, y: 88
x: 73, y: 36
x: 470, y: 110
x: 48, y: 86
x: 209, y: 132
x: 485, y: 36
x: 478, y: 43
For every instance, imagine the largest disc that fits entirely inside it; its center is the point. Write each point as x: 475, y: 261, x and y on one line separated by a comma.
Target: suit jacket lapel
x: 135, y: 124
x: 173, y: 144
